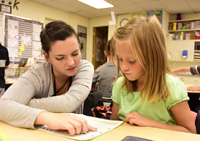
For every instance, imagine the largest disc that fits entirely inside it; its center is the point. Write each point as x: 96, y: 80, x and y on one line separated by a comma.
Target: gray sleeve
x: 74, y: 97
x: 96, y: 76
x: 13, y: 107
x: 195, y: 70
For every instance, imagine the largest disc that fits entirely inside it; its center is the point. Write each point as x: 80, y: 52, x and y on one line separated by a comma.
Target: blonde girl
x: 147, y: 94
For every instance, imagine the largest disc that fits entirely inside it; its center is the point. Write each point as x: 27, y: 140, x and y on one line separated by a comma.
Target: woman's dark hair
x: 54, y: 31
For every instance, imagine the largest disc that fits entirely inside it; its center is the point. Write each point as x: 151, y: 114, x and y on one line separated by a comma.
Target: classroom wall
x: 36, y: 11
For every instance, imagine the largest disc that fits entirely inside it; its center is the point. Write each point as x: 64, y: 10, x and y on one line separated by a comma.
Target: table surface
x: 117, y: 134
x: 10, y: 80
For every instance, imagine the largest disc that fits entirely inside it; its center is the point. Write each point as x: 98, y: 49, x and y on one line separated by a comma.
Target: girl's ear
x: 46, y: 56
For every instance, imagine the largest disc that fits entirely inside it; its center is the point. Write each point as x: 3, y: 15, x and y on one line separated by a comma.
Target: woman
x: 59, y: 85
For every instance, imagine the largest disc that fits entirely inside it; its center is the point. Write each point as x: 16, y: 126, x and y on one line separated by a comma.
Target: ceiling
x: 125, y: 6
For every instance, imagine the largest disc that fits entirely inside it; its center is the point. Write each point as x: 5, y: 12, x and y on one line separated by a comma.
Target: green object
x: 184, y: 27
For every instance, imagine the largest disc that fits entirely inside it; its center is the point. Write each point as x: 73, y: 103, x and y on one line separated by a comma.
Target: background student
x: 105, y: 74
x: 4, y: 63
x: 193, y: 70
x: 147, y: 94
x: 194, y: 101
x: 59, y: 85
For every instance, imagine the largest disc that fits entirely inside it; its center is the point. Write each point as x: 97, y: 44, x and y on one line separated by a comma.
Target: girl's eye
x: 59, y: 58
x: 132, y: 62
x: 119, y: 59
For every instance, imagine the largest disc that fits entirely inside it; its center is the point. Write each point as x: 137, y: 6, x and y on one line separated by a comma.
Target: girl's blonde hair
x: 148, y: 44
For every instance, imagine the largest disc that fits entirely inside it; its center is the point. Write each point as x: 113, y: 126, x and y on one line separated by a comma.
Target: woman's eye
x: 59, y: 58
x: 74, y: 54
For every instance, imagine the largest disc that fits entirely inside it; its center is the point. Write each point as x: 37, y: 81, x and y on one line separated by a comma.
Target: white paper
x: 12, y: 42
x: 26, y: 40
x: 36, y: 45
x: 36, y: 36
x: 102, y: 126
x: 12, y: 29
x: 36, y: 54
x: 13, y: 52
x: 113, y: 22
x: 37, y: 28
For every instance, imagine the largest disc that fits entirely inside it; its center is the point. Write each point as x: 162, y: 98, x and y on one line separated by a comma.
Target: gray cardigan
x: 31, y: 94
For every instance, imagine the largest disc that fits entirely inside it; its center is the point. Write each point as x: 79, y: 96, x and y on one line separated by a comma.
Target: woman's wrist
x: 41, y: 118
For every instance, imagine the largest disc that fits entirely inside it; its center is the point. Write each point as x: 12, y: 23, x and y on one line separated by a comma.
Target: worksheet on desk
x: 102, y: 126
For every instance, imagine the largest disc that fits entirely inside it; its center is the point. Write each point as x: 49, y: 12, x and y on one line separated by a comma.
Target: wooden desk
x: 117, y: 134
x: 9, y: 82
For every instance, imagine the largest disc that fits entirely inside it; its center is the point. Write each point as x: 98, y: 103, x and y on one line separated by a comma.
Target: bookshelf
x: 181, y: 36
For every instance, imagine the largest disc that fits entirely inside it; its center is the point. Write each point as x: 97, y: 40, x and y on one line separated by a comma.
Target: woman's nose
x: 70, y: 61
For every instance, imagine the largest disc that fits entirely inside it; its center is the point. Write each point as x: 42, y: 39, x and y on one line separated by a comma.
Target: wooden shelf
x: 185, y: 20
x: 189, y: 30
x: 186, y: 40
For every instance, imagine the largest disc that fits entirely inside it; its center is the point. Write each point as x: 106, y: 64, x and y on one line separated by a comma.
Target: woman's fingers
x: 90, y: 128
x: 70, y: 128
x: 84, y: 125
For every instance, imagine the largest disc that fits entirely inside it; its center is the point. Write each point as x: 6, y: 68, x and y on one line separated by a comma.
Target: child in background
x: 105, y: 74
x: 147, y: 94
x: 194, y: 101
x: 193, y: 70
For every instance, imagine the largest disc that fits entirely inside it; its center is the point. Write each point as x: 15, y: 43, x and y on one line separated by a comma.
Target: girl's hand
x: 138, y: 119
x: 193, y: 88
x: 72, y: 123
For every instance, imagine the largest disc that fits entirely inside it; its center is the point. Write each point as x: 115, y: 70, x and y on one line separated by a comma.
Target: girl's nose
x: 124, y: 67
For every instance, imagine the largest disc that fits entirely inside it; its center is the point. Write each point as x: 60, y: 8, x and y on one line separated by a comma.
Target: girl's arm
x: 179, y: 70
x: 181, y: 113
x: 115, y: 110
x: 183, y: 116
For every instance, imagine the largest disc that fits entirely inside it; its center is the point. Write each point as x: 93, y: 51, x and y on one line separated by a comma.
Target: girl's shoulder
x: 119, y: 81
x: 173, y: 80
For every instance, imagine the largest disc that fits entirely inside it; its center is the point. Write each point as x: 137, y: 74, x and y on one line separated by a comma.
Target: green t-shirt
x: 160, y: 111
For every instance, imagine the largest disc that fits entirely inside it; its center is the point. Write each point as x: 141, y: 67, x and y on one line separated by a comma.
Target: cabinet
x: 176, y: 45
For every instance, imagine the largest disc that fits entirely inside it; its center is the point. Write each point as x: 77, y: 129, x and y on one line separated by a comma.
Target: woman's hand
x: 138, y: 119
x: 56, y: 121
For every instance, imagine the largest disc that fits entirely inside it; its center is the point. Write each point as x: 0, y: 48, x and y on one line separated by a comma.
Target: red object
x: 197, y: 37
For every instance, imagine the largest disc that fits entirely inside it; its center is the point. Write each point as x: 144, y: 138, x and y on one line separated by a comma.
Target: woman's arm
x: 115, y: 110
x: 181, y: 113
x: 179, y: 70
x: 13, y: 103
x: 74, y: 97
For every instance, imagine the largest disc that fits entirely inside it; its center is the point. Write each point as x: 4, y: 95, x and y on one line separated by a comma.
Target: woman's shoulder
x: 42, y: 69
x: 85, y: 63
